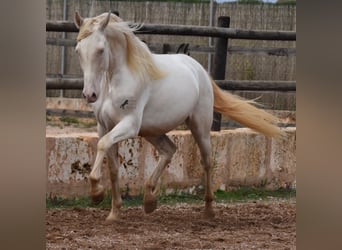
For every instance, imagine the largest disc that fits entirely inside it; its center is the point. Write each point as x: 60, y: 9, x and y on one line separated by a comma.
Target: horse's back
x: 176, y: 97
x: 186, y: 71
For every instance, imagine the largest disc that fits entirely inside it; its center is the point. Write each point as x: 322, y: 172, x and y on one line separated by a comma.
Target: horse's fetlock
x: 118, y: 204
x: 150, y: 187
x: 93, y: 180
x: 207, y: 167
x: 209, y: 198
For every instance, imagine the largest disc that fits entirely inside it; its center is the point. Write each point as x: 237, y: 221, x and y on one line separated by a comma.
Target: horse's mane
x: 138, y: 56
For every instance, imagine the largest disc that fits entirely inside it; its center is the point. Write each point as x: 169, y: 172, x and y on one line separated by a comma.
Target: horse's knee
x: 104, y: 144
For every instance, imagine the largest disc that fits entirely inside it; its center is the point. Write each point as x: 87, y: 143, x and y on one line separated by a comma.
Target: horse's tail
x: 245, y: 113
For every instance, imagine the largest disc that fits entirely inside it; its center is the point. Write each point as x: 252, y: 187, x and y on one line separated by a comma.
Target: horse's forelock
x: 87, y: 27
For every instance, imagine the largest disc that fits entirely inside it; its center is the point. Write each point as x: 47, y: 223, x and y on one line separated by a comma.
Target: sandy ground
x: 248, y: 225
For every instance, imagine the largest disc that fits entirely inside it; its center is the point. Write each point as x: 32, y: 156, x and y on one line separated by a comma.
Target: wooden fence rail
x: 284, y: 86
x: 172, y: 48
x: 189, y: 30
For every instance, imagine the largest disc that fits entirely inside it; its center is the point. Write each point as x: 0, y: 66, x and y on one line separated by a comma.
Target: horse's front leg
x: 113, y: 165
x: 125, y: 129
x: 96, y: 189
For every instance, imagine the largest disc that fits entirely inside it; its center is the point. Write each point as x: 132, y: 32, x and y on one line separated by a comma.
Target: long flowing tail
x: 245, y: 113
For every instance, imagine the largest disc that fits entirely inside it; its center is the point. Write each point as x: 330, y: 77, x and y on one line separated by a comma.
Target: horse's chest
x: 112, y: 111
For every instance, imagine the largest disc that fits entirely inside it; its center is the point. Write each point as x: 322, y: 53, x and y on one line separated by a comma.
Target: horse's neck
x: 119, y: 80
x: 121, y: 86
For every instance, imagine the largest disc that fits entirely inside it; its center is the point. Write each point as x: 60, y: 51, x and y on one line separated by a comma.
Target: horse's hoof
x: 209, y: 213
x: 150, y: 203
x: 97, y: 199
x: 97, y: 196
x: 112, y: 217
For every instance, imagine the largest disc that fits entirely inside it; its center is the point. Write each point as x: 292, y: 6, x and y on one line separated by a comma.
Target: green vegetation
x: 184, y: 1
x: 286, y: 2
x: 63, y: 121
x: 239, y: 195
x: 245, y: 194
x: 250, y: 1
x: 69, y: 120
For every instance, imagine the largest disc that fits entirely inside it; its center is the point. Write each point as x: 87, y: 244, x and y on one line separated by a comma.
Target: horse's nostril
x: 89, y: 98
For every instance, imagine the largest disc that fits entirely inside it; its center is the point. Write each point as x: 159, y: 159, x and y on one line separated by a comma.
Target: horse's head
x: 104, y: 44
x: 94, y: 53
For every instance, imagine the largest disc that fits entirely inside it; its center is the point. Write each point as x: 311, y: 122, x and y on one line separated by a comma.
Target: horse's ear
x: 78, y: 20
x: 105, y: 22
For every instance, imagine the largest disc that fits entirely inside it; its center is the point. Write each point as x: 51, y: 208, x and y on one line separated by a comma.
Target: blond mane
x: 138, y: 56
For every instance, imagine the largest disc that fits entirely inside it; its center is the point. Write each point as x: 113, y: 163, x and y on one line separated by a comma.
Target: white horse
x: 135, y: 92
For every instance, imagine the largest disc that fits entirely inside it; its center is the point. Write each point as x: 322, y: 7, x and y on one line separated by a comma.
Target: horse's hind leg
x: 166, y: 149
x: 201, y: 133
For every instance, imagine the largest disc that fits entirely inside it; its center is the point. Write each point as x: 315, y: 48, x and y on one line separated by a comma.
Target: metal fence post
x: 219, y: 66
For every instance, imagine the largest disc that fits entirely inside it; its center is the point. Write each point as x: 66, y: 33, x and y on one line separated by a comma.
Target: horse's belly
x: 160, y: 124
x: 168, y: 109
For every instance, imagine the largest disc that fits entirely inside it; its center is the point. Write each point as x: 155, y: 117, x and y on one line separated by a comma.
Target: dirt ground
x: 247, y: 225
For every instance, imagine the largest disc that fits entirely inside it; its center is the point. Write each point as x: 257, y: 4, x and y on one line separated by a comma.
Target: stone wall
x: 240, y: 157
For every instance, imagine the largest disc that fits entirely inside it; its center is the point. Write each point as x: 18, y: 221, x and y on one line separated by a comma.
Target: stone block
x: 240, y: 157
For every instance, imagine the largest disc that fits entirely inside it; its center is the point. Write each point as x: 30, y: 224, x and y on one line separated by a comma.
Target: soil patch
x: 247, y: 225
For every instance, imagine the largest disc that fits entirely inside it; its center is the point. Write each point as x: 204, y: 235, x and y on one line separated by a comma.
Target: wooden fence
x: 247, y: 60
x: 222, y: 33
